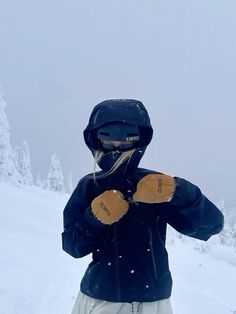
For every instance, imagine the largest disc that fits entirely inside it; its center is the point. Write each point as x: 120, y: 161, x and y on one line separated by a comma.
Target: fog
x: 58, y: 59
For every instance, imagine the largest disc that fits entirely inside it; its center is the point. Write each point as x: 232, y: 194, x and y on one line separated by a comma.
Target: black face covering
x: 108, y: 160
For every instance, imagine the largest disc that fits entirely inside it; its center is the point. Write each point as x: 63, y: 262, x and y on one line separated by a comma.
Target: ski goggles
x: 114, y: 145
x: 118, y: 136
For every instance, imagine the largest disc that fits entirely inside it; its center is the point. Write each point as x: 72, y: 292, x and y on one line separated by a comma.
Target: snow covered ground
x: 37, y: 277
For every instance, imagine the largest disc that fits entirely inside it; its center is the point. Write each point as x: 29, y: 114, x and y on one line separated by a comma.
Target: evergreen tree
x: 55, y: 178
x: 8, y: 172
x: 39, y: 182
x: 226, y: 234
x: 22, y: 162
x: 70, y: 183
x: 234, y: 236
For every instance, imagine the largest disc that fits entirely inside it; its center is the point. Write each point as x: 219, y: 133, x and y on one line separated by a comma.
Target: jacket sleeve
x: 82, y: 231
x: 191, y: 213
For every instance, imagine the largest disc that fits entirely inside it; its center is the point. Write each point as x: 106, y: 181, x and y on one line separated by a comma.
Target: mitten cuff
x: 93, y: 221
x: 90, y: 226
x: 178, y: 191
x: 185, y: 192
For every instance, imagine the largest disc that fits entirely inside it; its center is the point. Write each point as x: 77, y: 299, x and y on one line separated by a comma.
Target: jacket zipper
x: 118, y: 290
x: 153, y: 253
x: 95, y: 265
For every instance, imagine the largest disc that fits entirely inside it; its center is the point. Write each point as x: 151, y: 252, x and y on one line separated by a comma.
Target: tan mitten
x: 109, y: 206
x: 155, y: 188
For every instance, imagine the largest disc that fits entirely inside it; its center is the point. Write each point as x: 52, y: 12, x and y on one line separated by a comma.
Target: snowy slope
x: 37, y: 277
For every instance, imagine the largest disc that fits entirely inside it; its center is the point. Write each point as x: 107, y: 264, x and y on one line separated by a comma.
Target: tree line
x: 15, y: 163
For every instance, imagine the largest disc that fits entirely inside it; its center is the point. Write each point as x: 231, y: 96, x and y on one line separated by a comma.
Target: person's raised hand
x: 109, y: 207
x: 155, y: 188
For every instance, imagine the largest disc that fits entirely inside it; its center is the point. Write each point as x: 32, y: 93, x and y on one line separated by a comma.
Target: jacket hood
x: 128, y: 111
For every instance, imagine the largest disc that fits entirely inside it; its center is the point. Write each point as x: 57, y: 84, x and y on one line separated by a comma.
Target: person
x: 120, y: 215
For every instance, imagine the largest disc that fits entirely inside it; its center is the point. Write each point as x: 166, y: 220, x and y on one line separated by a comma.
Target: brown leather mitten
x: 155, y: 188
x: 109, y: 206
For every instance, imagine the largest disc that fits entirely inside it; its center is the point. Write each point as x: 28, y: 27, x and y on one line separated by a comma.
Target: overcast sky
x: 59, y: 58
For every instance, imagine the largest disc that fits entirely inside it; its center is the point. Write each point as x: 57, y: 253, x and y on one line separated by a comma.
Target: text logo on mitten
x: 106, y: 210
x: 159, y: 187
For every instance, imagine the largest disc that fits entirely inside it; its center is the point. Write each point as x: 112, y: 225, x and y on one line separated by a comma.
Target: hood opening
x: 127, y: 112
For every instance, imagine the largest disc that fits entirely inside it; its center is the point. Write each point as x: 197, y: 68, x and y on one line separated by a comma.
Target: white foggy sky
x: 59, y: 58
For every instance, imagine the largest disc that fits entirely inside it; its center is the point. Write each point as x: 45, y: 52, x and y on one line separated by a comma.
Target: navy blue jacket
x: 129, y: 258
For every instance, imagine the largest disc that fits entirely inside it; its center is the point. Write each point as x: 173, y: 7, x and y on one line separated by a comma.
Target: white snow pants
x: 86, y: 305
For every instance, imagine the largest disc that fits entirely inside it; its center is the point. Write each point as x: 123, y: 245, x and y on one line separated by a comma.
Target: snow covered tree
x: 39, y: 182
x: 21, y: 156
x: 8, y: 172
x: 226, y: 234
x: 234, y: 236
x: 55, y: 178
x: 70, y: 183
